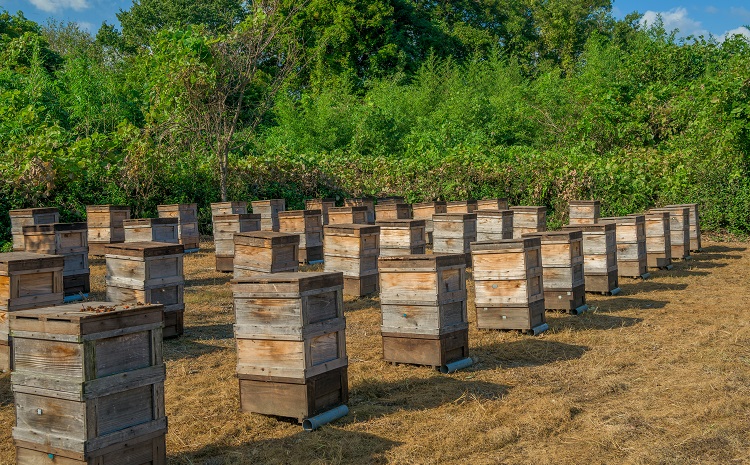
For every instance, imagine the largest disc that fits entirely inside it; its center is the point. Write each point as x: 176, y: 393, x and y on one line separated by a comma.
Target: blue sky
x: 717, y: 17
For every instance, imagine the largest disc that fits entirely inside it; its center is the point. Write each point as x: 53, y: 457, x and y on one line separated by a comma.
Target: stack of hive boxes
x: 492, y: 204
x: 187, y: 223
x: 461, y: 206
x: 29, y: 217
x: 453, y: 233
x: 321, y: 204
x: 291, y: 344
x: 584, y: 211
x: 391, y: 210
x: 89, y: 385
x: 348, y: 215
x: 528, y: 220
x: 679, y: 230
x: 423, y: 306
x: 69, y: 240
x: 401, y: 237
x: 599, y: 256
x: 269, y: 213
x: 695, y: 226
x: 369, y: 203
x: 494, y: 225
x: 151, y: 273
x: 353, y: 249
x: 631, y: 245
x: 226, y: 225
x: 658, y: 243
x: 307, y: 224
x: 152, y: 230
x: 508, y: 284
x: 425, y: 211
x: 105, y: 226
x: 260, y: 252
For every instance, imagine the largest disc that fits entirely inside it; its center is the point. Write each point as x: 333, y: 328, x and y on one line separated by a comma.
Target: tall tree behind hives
x: 206, y: 87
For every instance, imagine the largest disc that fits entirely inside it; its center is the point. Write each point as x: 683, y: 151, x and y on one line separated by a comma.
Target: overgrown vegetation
x: 541, y: 102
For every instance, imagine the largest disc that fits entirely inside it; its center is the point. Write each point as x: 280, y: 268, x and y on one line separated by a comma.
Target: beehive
x: 269, y: 213
x: 369, y: 203
x: 321, y: 204
x: 291, y: 344
x: 508, y: 284
x: 347, y: 215
x: 308, y: 225
x: 105, y: 226
x: 225, y: 227
x: 391, y: 200
x: 658, y: 243
x: 261, y: 252
x: 88, y: 384
x: 679, y: 230
x: 151, y: 230
x: 353, y: 249
x: 401, y: 237
x: 187, y: 223
x: 528, y: 220
x: 695, y: 225
x: 150, y: 273
x: 69, y: 240
x: 453, y: 233
x: 631, y: 245
x: 392, y: 211
x: 583, y: 211
x: 599, y: 256
x: 29, y: 217
x: 228, y: 208
x: 494, y: 225
x: 423, y: 306
x: 424, y: 211
x: 27, y: 280
x: 492, y: 204
x: 461, y: 206
x: 562, y: 270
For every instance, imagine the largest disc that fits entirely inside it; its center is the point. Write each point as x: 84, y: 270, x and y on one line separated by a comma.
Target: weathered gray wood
x: 584, y: 211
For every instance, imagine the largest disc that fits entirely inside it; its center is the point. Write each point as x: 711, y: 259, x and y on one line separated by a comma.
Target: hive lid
x: 426, y: 262
x: 405, y: 223
x: 177, y: 206
x: 300, y: 213
x: 229, y: 204
x: 556, y: 236
x: 584, y: 203
x: 595, y: 227
x: 32, y: 211
x: 265, y: 238
x: 351, y: 229
x: 462, y: 202
x: 524, y: 208
x: 141, y: 222
x: 85, y: 317
x: 143, y: 249
x: 267, y: 201
x: 105, y: 208
x: 506, y: 244
x: 302, y: 281
x: 360, y: 208
x: 237, y: 217
x: 391, y: 206
x: 454, y: 216
x: 55, y: 227
x: 23, y: 261
x: 487, y: 213
x: 391, y: 200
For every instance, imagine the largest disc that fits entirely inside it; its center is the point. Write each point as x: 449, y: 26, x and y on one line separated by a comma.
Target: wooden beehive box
x: 679, y: 230
x: 321, y: 204
x: 658, y: 243
x: 225, y: 227
x: 105, y: 226
x: 29, y: 217
x: 187, y: 222
x: 228, y: 208
x: 528, y: 220
x: 425, y: 211
x: 392, y: 211
x: 423, y: 306
x: 461, y: 206
x: 584, y: 211
x: 291, y: 343
x: 261, y: 252
x: 453, y: 233
x: 269, y: 213
x: 27, y: 280
x: 695, y: 225
x: 69, y: 240
x: 88, y: 384
x: 562, y: 270
x: 151, y: 230
x: 369, y: 203
x: 401, y: 237
x: 599, y: 256
x: 353, y: 249
x: 494, y: 225
x: 508, y: 284
x: 347, y: 215
x: 151, y: 273
x: 308, y: 225
x: 391, y: 200
x: 492, y: 204
x: 631, y: 245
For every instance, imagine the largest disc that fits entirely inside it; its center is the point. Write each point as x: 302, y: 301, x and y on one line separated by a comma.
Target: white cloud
x: 712, y: 10
x: 676, y: 18
x: 740, y: 11
x: 52, y: 6
x: 85, y: 26
x: 740, y: 30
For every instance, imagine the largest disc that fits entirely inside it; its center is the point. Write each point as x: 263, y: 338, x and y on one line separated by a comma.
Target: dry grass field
x: 659, y: 374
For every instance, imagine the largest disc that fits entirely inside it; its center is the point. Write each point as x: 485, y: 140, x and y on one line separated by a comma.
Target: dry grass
x: 657, y: 375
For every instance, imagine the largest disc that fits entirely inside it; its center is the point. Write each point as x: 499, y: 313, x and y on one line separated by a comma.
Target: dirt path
x: 657, y: 375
